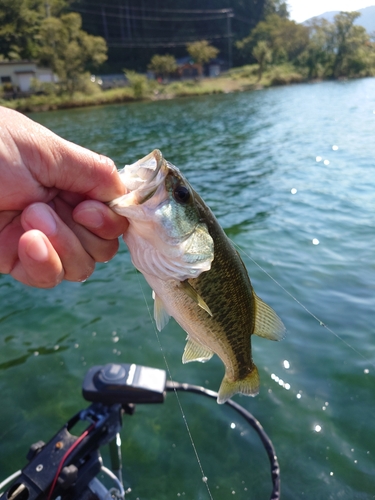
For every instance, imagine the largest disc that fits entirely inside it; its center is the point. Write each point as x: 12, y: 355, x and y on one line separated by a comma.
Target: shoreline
x: 242, y: 79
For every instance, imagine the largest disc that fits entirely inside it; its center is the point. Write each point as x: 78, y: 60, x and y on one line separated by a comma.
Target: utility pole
x: 229, y: 35
x: 105, y: 27
x: 121, y: 16
x: 47, y: 7
x: 128, y: 25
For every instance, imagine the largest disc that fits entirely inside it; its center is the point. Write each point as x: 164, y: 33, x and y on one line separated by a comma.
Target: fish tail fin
x: 248, y: 386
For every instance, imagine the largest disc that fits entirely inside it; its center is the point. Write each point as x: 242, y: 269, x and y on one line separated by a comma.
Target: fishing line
x: 321, y: 323
x: 204, y: 477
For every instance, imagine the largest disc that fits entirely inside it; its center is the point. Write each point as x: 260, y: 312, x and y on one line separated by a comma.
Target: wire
x: 10, y: 478
x: 114, y: 479
x: 64, y: 458
x: 151, y: 18
x: 171, y: 384
x: 267, y: 443
x: 136, y: 44
x: 182, y: 11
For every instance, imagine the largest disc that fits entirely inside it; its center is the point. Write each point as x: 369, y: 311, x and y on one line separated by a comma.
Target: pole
x: 229, y: 35
x: 105, y: 27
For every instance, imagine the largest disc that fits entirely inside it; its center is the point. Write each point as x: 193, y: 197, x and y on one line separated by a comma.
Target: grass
x: 78, y: 99
x: 235, y: 80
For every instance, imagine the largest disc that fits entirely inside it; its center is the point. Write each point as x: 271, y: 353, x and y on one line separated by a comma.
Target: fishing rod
x: 66, y: 467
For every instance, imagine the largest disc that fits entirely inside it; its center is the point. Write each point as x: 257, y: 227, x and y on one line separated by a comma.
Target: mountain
x: 367, y: 18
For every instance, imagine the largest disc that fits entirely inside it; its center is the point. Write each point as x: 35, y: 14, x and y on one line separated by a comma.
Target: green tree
x: 350, y: 41
x: 263, y: 55
x: 286, y: 38
x: 319, y: 53
x: 68, y: 50
x: 18, y: 29
x: 20, y: 21
x: 163, y: 65
x: 338, y: 49
x: 137, y: 82
x: 201, y: 52
x: 278, y: 7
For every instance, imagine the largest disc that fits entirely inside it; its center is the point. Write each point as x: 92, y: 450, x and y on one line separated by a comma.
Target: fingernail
x: 37, y: 249
x: 43, y: 220
x: 90, y: 217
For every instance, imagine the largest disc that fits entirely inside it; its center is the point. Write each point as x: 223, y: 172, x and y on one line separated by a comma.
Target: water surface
x: 290, y: 174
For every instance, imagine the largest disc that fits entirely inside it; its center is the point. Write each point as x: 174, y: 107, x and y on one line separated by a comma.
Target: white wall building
x: 19, y: 74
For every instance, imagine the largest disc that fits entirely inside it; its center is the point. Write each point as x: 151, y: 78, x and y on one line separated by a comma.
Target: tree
x: 18, y: 29
x: 278, y: 7
x: 137, y: 82
x: 349, y: 39
x: 286, y: 38
x: 338, y: 49
x: 201, y: 52
x: 263, y: 55
x: 20, y: 21
x: 163, y: 65
x: 68, y: 50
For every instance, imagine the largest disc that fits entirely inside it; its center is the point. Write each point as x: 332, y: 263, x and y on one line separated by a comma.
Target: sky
x: 300, y: 10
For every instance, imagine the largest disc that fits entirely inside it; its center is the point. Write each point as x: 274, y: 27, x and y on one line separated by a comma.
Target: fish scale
x: 232, y: 307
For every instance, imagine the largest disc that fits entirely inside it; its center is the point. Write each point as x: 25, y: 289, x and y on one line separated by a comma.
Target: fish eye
x: 181, y: 194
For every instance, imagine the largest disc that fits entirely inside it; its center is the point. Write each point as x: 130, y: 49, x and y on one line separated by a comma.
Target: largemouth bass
x: 196, y: 274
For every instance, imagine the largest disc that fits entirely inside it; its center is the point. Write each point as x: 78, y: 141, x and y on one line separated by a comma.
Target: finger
x: 101, y: 241
x: 11, y: 231
x: 77, y: 263
x: 39, y: 264
x: 100, y: 219
x: 57, y: 163
x: 94, y: 175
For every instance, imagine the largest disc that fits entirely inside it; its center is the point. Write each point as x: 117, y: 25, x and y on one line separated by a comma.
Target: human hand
x: 54, y: 223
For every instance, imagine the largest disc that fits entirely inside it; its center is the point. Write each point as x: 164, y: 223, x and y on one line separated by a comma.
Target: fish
x: 196, y: 274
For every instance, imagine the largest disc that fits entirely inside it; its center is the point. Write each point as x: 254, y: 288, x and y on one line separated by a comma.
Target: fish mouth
x: 143, y: 172
x: 141, y: 180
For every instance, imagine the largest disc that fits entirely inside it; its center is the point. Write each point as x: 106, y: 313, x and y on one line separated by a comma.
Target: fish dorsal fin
x: 196, y: 352
x: 160, y: 314
x: 194, y: 295
x: 267, y: 322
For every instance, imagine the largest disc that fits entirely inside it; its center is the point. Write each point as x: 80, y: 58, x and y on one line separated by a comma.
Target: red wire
x: 68, y: 452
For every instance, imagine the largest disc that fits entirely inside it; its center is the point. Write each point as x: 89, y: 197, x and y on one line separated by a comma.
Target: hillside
x: 367, y: 18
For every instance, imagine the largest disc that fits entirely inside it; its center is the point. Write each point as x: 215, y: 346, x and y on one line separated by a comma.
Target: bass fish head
x: 166, y: 236
x: 141, y: 180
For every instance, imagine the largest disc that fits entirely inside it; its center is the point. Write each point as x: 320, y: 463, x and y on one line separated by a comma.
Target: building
x: 17, y: 76
x: 186, y: 68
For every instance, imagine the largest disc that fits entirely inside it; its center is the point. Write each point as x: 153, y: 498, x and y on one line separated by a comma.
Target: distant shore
x: 241, y: 79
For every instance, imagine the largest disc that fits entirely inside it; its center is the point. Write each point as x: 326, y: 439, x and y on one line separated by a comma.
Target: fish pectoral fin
x: 160, y: 314
x: 249, y: 386
x: 196, y: 352
x: 194, y: 295
x: 267, y: 322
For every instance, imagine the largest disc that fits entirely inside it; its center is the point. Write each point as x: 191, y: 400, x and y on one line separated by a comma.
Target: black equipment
x: 66, y: 467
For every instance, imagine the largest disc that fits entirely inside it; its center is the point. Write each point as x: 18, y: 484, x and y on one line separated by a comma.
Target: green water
x: 244, y: 153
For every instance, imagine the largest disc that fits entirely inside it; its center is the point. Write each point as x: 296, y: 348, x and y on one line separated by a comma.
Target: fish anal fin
x: 249, y: 386
x: 196, y: 352
x: 267, y: 322
x: 160, y: 314
x: 194, y: 295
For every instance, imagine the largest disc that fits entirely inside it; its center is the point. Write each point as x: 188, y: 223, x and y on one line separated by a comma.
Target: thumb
x: 57, y: 163
x: 82, y: 171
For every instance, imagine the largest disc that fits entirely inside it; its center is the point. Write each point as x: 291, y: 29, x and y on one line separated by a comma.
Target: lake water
x: 290, y: 174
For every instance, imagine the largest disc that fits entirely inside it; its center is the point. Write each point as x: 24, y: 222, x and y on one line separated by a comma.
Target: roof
x: 9, y: 63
